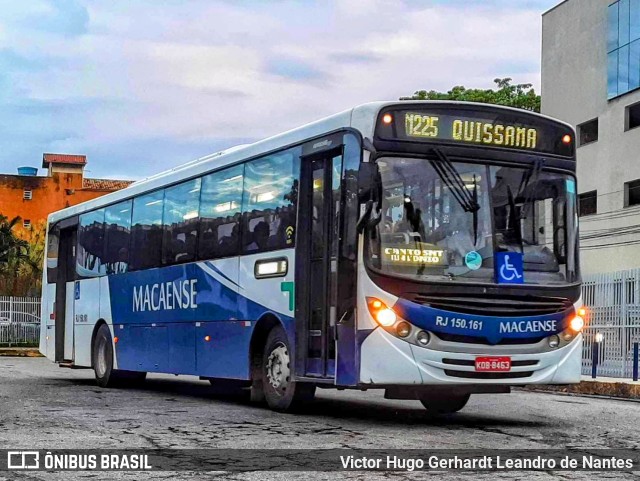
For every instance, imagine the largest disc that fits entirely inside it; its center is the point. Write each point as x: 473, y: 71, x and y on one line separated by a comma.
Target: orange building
x: 34, y: 197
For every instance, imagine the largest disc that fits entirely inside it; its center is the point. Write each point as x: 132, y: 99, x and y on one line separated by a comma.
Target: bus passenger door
x: 65, y: 294
x: 317, y: 263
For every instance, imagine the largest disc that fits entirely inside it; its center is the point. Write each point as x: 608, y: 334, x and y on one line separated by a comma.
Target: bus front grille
x: 482, y: 340
x: 508, y: 306
x: 487, y: 375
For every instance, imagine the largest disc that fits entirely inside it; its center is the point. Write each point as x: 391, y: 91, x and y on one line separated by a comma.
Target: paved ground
x: 46, y: 407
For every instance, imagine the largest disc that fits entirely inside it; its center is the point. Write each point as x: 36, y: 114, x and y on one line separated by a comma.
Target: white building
x: 591, y: 79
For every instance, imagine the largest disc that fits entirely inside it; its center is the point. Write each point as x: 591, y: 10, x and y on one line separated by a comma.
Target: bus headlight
x: 554, y: 341
x: 381, y: 313
x: 576, y: 324
x: 386, y: 317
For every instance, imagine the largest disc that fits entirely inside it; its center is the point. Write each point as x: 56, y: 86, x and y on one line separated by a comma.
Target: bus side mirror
x: 368, y: 180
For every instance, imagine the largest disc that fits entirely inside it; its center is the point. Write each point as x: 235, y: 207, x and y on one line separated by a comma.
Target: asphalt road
x: 45, y: 407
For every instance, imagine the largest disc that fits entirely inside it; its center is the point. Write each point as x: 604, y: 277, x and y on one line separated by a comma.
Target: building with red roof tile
x: 33, y: 197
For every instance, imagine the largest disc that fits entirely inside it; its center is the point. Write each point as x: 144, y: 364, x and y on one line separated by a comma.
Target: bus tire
x: 281, y: 392
x: 444, y: 403
x: 106, y: 375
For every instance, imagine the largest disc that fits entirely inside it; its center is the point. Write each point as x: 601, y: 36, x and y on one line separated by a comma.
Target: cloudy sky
x: 141, y: 86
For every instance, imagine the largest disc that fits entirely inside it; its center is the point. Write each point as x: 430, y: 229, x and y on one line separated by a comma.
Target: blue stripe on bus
x: 175, y: 344
x: 492, y: 328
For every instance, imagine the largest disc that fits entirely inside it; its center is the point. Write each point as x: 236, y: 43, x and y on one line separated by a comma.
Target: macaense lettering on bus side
x: 165, y: 296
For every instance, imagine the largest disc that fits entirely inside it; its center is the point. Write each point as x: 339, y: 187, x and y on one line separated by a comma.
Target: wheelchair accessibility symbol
x: 509, y: 268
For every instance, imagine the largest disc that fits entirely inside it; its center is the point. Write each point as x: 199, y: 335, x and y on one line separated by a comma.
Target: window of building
x: 146, y: 231
x: 623, y: 47
x: 588, y: 132
x: 632, y: 116
x: 26, y: 223
x: 632, y: 193
x: 89, y: 255
x: 220, y: 208
x: 27, y: 194
x: 269, y: 202
x: 117, y: 237
x: 588, y: 203
x: 181, y: 219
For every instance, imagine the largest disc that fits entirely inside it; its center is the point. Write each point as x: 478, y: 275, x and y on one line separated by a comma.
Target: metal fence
x: 19, y: 321
x: 613, y: 322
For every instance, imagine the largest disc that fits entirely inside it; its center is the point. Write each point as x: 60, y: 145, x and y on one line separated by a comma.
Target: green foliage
x: 521, y: 96
x: 21, y: 258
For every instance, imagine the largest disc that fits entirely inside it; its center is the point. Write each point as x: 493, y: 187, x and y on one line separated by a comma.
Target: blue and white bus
x: 429, y: 249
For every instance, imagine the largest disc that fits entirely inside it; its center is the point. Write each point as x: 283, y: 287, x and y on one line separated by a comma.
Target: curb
x: 20, y: 352
x: 610, y: 390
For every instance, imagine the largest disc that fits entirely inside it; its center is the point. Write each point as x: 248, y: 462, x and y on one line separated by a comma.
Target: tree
x: 11, y: 246
x: 21, y: 258
x: 521, y: 96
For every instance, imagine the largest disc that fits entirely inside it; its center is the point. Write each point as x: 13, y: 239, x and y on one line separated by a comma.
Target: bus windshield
x: 444, y: 224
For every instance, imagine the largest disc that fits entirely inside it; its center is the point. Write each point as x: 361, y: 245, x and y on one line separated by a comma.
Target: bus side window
x: 117, y: 237
x: 220, y: 203
x: 269, y: 202
x: 180, y: 222
x: 90, y: 253
x: 53, y: 244
x: 146, y: 231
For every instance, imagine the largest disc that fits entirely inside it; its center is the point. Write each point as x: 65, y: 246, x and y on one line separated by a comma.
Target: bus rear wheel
x: 444, y: 403
x: 281, y: 392
x: 106, y: 375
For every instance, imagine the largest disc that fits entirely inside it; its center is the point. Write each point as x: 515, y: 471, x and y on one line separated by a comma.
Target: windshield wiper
x: 514, y: 219
x: 452, y: 179
x: 532, y: 178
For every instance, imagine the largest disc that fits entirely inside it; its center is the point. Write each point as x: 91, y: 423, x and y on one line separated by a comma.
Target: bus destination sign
x: 497, y: 128
x: 472, y: 131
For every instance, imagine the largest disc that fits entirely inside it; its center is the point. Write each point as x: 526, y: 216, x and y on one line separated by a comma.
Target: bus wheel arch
x: 256, y: 350
x: 277, y: 382
x: 96, y: 328
x: 102, y: 360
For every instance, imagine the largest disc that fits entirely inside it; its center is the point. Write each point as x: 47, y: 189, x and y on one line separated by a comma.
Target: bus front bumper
x: 387, y: 360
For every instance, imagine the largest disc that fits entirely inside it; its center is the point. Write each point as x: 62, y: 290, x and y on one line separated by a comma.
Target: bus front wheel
x: 106, y: 376
x: 444, y: 403
x: 281, y: 392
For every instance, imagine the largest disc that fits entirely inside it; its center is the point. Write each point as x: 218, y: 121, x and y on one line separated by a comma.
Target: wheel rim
x: 278, y: 369
x: 101, y: 361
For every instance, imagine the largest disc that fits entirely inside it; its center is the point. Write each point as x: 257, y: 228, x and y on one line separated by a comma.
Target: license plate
x: 493, y: 364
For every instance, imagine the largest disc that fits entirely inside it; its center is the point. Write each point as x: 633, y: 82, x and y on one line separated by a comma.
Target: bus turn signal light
x: 387, y: 118
x: 381, y: 313
x: 582, y: 312
x: 207, y: 338
x: 576, y: 324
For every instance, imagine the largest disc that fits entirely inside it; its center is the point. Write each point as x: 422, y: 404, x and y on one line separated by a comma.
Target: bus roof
x: 361, y: 118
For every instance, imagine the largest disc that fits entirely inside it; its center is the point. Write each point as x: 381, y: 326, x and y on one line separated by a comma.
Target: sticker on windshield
x: 509, y: 267
x: 473, y: 260
x: 571, y: 186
